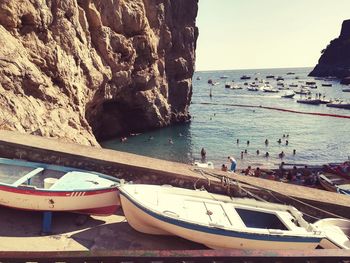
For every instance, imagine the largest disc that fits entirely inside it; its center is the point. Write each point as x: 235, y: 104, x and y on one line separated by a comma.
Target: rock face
x: 335, y: 60
x: 86, y: 70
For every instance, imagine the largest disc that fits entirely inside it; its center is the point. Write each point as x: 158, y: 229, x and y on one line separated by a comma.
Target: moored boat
x: 42, y: 187
x: 340, y: 105
x: 332, y: 182
x: 252, y: 88
x: 303, y: 91
x: 310, y: 101
x: 268, y: 88
x: 245, y: 77
x: 326, y: 84
x: 288, y: 95
x: 346, y: 90
x: 217, y: 221
x: 235, y: 87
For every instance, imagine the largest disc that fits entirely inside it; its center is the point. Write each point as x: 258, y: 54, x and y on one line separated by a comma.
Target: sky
x: 254, y: 34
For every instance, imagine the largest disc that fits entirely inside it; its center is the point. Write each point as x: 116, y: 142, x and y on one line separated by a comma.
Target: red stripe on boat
x: 26, y: 191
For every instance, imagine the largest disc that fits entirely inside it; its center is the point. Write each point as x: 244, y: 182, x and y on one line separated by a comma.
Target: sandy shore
x: 21, y: 231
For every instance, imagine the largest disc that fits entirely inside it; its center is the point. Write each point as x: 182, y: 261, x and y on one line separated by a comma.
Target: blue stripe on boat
x: 222, y: 232
x: 59, y: 168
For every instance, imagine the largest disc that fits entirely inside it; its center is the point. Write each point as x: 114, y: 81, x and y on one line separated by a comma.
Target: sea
x: 217, y: 124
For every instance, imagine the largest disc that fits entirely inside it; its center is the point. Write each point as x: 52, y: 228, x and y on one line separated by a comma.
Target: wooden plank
x: 26, y: 177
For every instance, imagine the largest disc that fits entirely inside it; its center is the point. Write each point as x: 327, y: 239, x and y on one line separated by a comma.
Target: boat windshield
x: 258, y: 219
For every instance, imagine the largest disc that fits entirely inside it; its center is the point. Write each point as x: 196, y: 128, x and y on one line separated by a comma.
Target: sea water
x: 316, y: 139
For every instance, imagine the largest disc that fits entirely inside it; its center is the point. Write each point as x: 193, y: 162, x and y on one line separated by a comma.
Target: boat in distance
x: 218, y: 221
x: 43, y: 187
x: 288, y: 95
x: 310, y: 101
x: 339, y: 104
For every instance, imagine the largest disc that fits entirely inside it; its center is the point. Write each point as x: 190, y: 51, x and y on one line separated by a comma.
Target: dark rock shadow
x: 20, y: 223
x: 120, y: 236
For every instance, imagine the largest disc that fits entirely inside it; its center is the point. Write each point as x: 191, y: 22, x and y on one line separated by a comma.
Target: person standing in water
x: 233, y: 163
x: 203, y: 154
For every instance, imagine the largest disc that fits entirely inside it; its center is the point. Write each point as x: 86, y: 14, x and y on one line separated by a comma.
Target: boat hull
x: 97, y: 202
x: 146, y: 221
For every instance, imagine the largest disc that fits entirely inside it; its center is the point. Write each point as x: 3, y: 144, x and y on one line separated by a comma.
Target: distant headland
x: 335, y: 59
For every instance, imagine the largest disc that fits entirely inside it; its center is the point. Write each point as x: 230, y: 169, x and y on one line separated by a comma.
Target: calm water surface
x: 317, y: 139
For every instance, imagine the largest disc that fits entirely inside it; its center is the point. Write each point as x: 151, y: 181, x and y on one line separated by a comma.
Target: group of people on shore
x: 303, y: 176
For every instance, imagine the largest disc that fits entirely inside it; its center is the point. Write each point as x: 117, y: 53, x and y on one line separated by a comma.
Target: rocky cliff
x: 335, y: 59
x: 85, y: 70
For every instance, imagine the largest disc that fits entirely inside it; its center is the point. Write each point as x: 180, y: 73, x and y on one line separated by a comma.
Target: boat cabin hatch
x: 258, y: 219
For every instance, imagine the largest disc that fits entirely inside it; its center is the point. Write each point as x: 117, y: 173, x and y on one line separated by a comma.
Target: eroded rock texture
x: 84, y: 70
x: 335, y: 60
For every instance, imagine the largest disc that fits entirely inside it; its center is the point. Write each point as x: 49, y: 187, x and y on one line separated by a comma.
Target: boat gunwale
x: 310, y: 237
x: 65, y: 169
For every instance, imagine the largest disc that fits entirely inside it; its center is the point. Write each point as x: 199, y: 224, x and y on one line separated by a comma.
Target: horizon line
x: 207, y: 70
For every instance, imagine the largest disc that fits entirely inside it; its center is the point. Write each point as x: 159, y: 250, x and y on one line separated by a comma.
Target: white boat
x: 234, y: 87
x: 346, y: 90
x: 217, y: 221
x: 42, y: 187
x: 208, y: 165
x: 288, y: 95
x: 252, y: 88
x: 268, y: 88
x: 337, y: 232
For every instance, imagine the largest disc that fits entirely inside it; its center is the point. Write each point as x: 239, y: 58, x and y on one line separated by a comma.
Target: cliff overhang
x: 86, y: 70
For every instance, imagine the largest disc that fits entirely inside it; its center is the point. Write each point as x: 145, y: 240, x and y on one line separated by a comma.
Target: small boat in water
x: 252, y: 88
x: 245, y: 77
x: 310, y: 101
x: 303, y: 91
x: 310, y: 83
x: 339, y: 104
x: 326, y: 84
x: 346, y: 90
x: 234, y: 87
x: 219, y: 221
x: 288, y: 95
x: 43, y: 187
x: 293, y: 85
x: 268, y: 88
x: 228, y: 85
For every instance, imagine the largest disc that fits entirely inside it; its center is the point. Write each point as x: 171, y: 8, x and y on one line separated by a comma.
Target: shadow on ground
x: 19, y: 223
x: 120, y: 235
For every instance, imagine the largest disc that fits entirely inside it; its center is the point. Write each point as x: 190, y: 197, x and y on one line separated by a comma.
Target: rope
x: 201, y: 172
x: 294, y: 199
x: 278, y: 109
